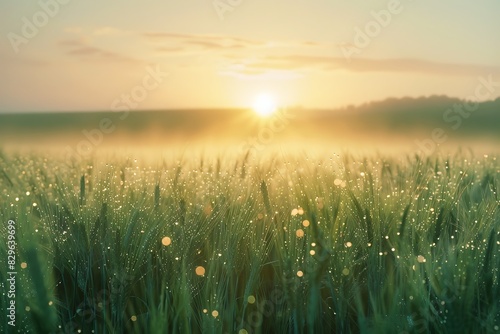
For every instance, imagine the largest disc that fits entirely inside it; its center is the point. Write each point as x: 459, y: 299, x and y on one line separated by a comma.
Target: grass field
x: 291, y: 243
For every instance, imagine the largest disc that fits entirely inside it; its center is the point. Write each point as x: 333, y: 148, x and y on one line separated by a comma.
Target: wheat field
x: 236, y: 243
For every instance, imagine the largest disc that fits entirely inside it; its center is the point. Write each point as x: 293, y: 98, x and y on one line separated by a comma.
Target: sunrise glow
x: 264, y: 105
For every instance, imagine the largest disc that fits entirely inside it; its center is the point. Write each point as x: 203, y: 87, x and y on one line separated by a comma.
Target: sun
x: 264, y: 105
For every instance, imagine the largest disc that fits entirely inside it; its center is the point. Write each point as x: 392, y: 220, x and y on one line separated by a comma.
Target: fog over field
x: 418, y: 125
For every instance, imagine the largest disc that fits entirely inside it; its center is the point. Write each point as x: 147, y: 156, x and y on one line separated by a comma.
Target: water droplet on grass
x: 200, y: 271
x: 421, y: 259
x: 166, y: 241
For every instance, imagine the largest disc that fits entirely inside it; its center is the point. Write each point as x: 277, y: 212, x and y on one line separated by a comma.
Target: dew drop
x: 421, y: 259
x: 166, y: 241
x: 200, y: 271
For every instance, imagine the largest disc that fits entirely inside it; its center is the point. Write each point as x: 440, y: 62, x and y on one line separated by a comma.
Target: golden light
x: 299, y: 233
x: 264, y: 105
x: 166, y: 241
x: 200, y: 271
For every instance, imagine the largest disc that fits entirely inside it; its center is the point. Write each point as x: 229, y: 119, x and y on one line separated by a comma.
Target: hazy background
x: 406, y: 125
x: 91, y: 52
x: 374, y: 74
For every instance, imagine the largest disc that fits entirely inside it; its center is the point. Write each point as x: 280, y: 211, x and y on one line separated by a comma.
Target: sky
x: 75, y: 55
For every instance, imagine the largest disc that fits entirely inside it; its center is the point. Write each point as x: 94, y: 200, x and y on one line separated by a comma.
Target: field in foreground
x: 236, y: 244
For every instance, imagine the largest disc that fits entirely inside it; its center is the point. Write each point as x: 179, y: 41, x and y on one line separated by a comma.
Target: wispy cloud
x: 391, y: 65
x: 285, y: 57
x: 80, y: 47
x: 413, y: 65
x: 189, y: 43
x: 219, y: 39
x: 246, y: 70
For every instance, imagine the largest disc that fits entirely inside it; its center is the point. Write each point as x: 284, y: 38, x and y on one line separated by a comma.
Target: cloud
x: 413, y: 65
x: 222, y: 46
x: 390, y: 65
x: 220, y: 40
x: 189, y: 43
x: 205, y: 44
x: 170, y: 49
x: 80, y: 47
x: 242, y: 70
x: 267, y: 56
x: 175, y: 43
x: 254, y: 74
